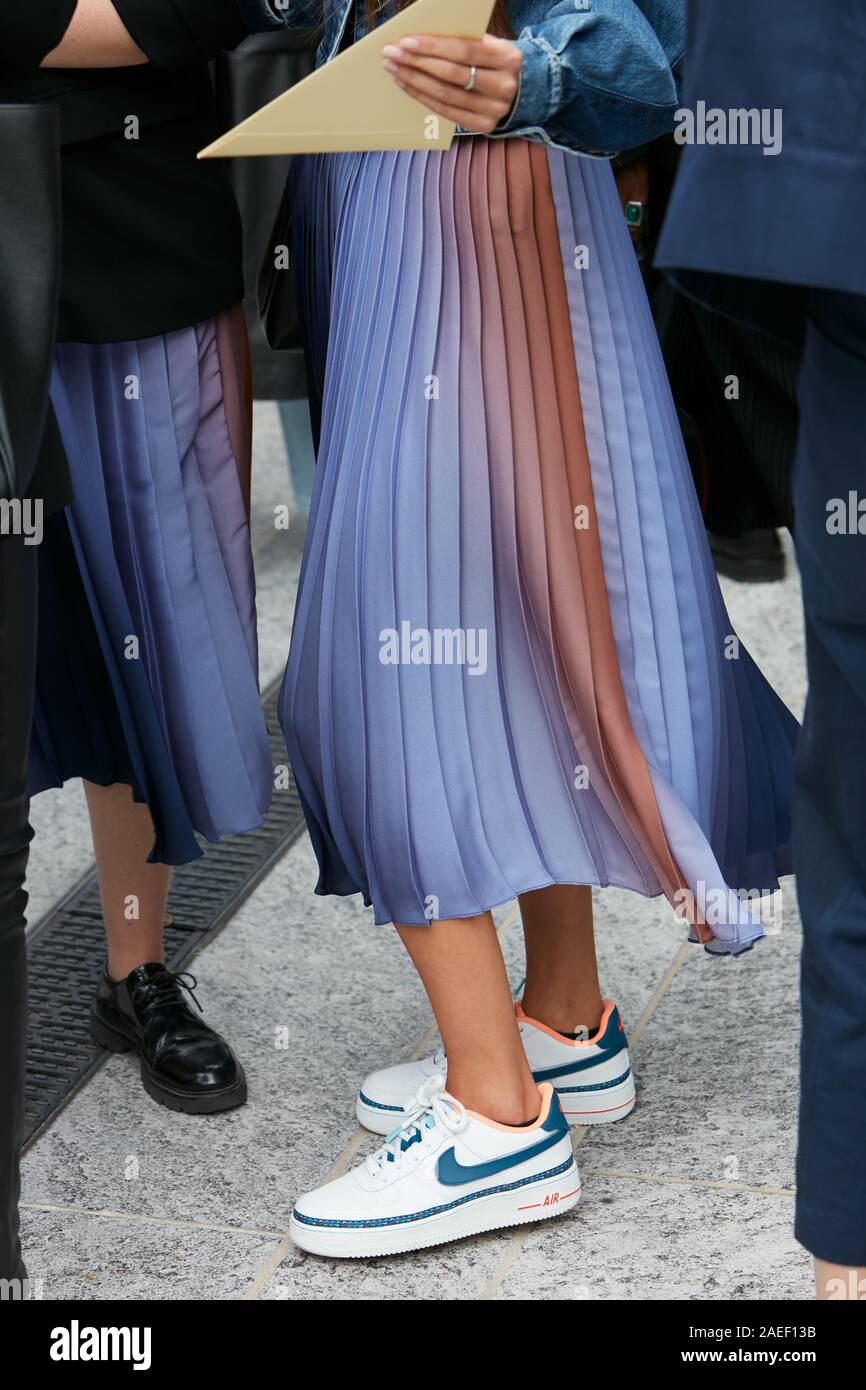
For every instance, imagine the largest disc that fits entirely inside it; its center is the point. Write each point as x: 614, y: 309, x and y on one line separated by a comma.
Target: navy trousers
x: 830, y: 804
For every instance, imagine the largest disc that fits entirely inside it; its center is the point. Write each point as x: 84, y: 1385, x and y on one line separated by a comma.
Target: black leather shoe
x: 184, y: 1064
x: 755, y: 557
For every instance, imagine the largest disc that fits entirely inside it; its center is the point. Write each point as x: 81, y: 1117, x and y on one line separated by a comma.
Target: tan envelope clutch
x: 352, y: 103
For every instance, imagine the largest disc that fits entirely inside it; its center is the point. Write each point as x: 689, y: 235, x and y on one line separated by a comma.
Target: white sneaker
x: 593, y: 1079
x: 444, y: 1174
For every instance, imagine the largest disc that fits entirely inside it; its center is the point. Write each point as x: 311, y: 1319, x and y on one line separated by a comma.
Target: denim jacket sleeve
x: 597, y: 77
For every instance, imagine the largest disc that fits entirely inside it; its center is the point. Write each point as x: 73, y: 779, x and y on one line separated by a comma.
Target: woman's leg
x: 187, y: 1066
x: 298, y: 435
x: 562, y: 988
x: 461, y: 967
x: 444, y: 1172
x: 133, y: 892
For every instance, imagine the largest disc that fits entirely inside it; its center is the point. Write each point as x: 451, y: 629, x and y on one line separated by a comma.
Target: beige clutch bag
x: 352, y: 103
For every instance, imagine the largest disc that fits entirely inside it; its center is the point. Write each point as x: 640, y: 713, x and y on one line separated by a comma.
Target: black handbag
x: 29, y: 285
x: 278, y: 305
x: 262, y: 68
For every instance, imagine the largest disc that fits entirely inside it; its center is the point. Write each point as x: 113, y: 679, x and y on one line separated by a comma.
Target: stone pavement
x: 690, y: 1198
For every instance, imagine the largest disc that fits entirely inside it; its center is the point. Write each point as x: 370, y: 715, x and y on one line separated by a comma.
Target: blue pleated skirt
x: 147, y: 669
x: 511, y: 664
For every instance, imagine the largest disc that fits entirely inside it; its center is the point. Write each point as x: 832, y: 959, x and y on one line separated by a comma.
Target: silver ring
x: 473, y: 75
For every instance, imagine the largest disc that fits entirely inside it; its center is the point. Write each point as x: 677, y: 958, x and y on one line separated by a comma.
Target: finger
x: 469, y: 120
x: 439, y: 94
x: 465, y: 51
x: 455, y: 110
x: 488, y: 81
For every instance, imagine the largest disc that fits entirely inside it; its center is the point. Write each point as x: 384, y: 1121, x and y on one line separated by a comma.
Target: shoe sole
x: 188, y: 1103
x: 583, y: 1108
x: 599, y: 1107
x: 769, y: 571
x: 534, y: 1202
x: 376, y: 1121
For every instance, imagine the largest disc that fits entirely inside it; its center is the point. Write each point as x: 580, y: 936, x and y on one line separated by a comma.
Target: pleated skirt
x: 511, y: 665
x: 147, y: 669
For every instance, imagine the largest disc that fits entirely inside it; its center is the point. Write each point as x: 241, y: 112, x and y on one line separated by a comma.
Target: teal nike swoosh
x: 451, y: 1173
x: 579, y: 1064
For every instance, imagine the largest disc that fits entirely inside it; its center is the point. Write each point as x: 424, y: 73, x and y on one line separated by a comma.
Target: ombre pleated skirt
x: 147, y: 668
x: 511, y: 665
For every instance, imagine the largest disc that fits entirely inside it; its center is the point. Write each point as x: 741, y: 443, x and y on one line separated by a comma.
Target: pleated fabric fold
x: 147, y: 668
x: 509, y: 665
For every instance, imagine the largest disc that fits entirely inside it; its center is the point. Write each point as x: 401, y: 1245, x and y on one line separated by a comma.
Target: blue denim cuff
x: 540, y: 90
x: 258, y: 15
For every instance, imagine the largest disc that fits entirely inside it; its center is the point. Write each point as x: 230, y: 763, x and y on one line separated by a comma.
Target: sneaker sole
x: 598, y: 1107
x: 579, y: 1108
x: 534, y: 1202
x: 187, y: 1103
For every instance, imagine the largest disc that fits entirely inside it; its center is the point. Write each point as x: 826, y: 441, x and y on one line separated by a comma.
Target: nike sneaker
x: 443, y: 1174
x: 593, y: 1078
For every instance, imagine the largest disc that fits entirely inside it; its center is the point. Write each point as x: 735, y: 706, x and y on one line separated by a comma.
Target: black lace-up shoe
x: 184, y: 1064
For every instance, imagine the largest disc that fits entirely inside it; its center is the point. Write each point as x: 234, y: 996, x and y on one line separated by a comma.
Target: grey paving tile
x: 271, y: 484
x: 636, y: 941
x: 79, y: 1256
x: 61, y: 850
x: 643, y: 1240
x: 769, y: 620
x: 457, y: 1272
x: 278, y: 566
x: 717, y: 1075
x: 275, y: 969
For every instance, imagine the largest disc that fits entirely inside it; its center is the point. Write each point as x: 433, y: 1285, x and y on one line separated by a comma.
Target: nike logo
x: 452, y: 1173
x: 580, y: 1064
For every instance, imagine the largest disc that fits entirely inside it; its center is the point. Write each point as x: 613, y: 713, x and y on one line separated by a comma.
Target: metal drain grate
x: 67, y: 948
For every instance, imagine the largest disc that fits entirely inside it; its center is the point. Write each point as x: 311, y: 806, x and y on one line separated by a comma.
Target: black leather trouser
x: 17, y: 663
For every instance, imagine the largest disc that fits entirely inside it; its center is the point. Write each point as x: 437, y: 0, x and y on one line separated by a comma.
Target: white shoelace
x: 431, y: 1108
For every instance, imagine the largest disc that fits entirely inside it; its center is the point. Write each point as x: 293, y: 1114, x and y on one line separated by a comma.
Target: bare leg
x: 839, y: 1281
x: 562, y: 988
x: 133, y: 892
x: 461, y: 967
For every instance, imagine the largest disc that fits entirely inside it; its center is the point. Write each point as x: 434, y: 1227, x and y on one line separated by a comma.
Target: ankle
x: 581, y: 1016
x: 121, y: 967
x: 512, y: 1105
